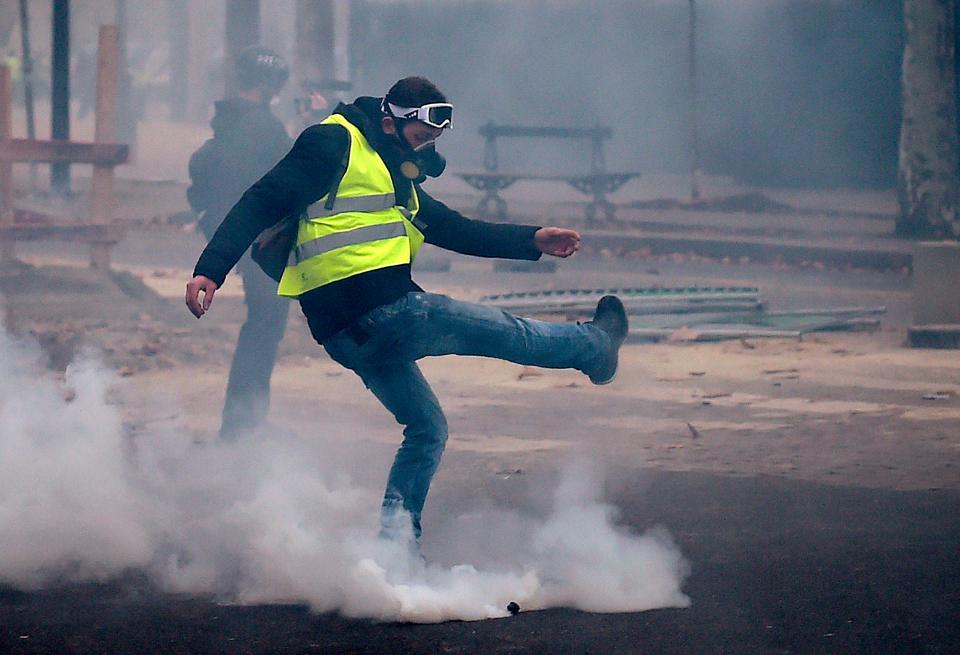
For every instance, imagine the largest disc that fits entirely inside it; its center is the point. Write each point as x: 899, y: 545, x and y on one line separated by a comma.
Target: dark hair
x: 414, y: 92
x: 258, y: 66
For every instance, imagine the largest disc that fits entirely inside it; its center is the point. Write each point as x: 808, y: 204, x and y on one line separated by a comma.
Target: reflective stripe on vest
x: 358, y: 204
x: 362, y: 230
x: 360, y: 235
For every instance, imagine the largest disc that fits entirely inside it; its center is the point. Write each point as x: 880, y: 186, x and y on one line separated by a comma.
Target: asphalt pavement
x: 778, y: 566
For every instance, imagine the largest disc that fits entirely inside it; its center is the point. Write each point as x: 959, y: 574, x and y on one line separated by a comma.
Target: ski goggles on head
x: 434, y: 114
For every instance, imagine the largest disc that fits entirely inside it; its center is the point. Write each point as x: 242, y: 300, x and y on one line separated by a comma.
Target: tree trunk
x: 927, y: 176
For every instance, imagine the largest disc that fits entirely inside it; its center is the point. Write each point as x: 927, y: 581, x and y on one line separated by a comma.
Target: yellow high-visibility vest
x: 361, y: 230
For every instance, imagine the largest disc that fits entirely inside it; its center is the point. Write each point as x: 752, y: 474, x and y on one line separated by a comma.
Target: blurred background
x: 789, y: 92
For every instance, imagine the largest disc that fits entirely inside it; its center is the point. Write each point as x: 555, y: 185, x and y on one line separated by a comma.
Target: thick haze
x: 792, y: 92
x: 280, y: 519
x: 802, y: 92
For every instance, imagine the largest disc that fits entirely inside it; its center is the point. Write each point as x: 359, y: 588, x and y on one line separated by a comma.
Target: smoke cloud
x: 272, y: 519
x: 67, y: 507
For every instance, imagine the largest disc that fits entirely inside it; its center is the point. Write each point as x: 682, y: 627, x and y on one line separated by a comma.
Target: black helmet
x: 259, y: 66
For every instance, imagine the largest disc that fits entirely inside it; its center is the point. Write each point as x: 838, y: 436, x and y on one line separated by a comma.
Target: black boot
x: 611, y: 317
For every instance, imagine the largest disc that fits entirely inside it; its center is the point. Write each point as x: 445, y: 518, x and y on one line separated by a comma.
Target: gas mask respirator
x: 422, y: 162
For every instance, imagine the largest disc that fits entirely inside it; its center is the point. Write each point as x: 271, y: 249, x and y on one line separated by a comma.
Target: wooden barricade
x: 6, y: 168
x: 97, y: 229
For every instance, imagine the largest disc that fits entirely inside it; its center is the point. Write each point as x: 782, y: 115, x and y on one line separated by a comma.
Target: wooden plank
x: 105, y: 128
x: 6, y: 169
x: 98, y: 230
x: 25, y: 150
x: 89, y: 233
x: 105, y: 131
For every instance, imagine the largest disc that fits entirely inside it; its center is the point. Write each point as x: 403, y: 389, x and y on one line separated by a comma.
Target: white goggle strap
x: 421, y: 114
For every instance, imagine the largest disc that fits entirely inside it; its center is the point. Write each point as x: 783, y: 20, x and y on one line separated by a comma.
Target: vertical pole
x: 313, y: 51
x: 126, y: 121
x: 28, y: 83
x: 242, y: 29
x: 60, y: 92
x: 361, y: 23
x: 6, y: 168
x: 105, y: 131
x: 341, y: 45
x: 179, y: 34
x: 694, y: 114
x: 201, y: 18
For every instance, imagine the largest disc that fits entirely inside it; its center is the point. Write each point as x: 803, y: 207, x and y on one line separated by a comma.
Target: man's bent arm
x: 303, y: 176
x: 449, y: 229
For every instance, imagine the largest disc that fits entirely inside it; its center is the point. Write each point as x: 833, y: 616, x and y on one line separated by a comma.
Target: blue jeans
x: 382, y: 347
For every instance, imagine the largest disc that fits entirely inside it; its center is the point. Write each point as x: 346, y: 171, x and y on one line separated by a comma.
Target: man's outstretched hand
x: 200, y: 283
x: 557, y: 241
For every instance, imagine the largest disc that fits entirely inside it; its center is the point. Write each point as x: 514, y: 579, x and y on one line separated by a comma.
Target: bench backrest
x: 597, y: 133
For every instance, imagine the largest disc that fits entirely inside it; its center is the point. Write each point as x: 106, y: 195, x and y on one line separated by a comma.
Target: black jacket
x: 247, y: 141
x: 303, y: 176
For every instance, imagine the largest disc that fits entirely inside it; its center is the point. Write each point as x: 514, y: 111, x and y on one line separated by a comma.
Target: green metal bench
x: 596, y: 184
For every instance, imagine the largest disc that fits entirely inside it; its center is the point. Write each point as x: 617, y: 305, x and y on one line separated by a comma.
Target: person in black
x: 378, y: 322
x: 247, y: 141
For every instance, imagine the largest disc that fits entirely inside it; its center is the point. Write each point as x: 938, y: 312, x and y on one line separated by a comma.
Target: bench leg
x: 600, y: 204
x: 7, y: 251
x: 491, y: 197
x: 100, y: 256
x: 501, y: 208
x: 609, y: 211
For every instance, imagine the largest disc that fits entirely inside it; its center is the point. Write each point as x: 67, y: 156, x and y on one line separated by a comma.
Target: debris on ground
x: 509, y: 473
x: 67, y: 310
x: 692, y: 313
x: 529, y: 372
x: 750, y: 203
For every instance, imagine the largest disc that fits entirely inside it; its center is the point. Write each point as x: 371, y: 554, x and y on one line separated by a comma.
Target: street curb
x: 897, y: 256
x: 934, y: 336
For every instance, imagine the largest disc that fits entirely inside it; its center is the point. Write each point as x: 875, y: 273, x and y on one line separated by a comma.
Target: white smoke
x: 273, y: 520
x: 67, y: 509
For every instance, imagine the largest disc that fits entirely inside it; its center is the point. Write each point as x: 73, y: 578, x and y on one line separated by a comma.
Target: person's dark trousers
x: 248, y: 388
